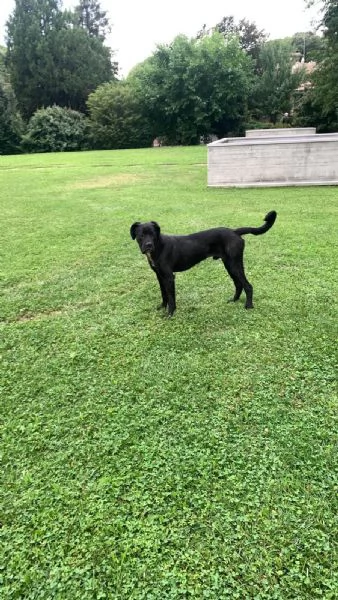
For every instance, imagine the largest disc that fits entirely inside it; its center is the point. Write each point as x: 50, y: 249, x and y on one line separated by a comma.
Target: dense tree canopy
x: 116, y: 118
x: 326, y: 80
x: 193, y: 88
x: 89, y: 16
x: 11, y: 125
x: 51, y: 60
x: 250, y: 37
x: 308, y: 45
x: 276, y: 81
x: 318, y: 105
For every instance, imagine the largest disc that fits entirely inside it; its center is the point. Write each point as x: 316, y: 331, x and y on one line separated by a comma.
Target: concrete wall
x: 280, y: 161
x: 287, y: 131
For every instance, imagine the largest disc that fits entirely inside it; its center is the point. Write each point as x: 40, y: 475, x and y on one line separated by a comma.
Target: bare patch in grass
x: 106, y: 181
x: 26, y: 315
x: 30, y: 316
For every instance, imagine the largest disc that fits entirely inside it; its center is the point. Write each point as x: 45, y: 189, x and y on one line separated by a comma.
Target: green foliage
x: 83, y: 64
x: 116, y: 119
x: 30, y: 62
x: 308, y: 45
x: 89, y: 16
x: 56, y: 129
x: 250, y: 37
x: 144, y: 458
x: 276, y: 83
x: 11, y: 124
x: 326, y: 78
x: 264, y: 125
x: 51, y: 60
x: 193, y: 88
x: 319, y: 104
x: 309, y: 110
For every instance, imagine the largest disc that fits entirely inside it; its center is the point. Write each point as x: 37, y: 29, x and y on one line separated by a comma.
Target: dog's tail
x: 269, y: 221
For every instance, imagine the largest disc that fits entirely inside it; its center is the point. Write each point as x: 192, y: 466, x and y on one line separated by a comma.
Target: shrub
x: 56, y: 129
x: 116, y: 119
x: 266, y: 125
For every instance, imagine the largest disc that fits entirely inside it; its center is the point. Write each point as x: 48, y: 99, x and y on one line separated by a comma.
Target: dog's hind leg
x: 238, y: 284
x: 236, y: 271
x: 239, y: 272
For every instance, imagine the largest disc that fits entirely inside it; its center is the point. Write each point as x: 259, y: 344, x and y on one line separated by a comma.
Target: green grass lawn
x: 155, y: 458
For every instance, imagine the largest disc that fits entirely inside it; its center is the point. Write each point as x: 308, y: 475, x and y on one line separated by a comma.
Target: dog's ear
x: 157, y: 228
x: 133, y: 229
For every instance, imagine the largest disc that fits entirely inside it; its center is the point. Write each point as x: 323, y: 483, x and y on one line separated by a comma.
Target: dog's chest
x: 150, y: 260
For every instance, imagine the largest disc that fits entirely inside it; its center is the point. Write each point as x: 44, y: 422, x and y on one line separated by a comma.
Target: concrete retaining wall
x: 287, y: 131
x: 274, y: 161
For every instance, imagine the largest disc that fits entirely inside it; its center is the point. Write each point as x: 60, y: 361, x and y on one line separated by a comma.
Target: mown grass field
x: 153, y: 458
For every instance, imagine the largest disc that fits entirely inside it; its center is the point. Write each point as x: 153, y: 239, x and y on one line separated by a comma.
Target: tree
x: 11, y: 125
x: 116, y: 118
x: 89, y: 16
x: 30, y: 63
x: 250, y: 37
x: 326, y: 77
x: 52, y: 61
x: 276, y: 82
x: 83, y: 63
x: 193, y: 88
x: 318, y: 105
x: 308, y: 45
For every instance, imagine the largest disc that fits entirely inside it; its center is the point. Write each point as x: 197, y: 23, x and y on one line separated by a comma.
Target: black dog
x: 169, y: 253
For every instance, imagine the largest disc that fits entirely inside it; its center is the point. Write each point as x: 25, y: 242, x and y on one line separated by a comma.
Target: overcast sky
x: 138, y: 25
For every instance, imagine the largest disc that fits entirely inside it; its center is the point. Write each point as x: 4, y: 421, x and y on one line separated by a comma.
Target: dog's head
x: 146, y: 234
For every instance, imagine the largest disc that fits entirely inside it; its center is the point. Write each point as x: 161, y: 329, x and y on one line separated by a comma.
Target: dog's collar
x: 150, y: 259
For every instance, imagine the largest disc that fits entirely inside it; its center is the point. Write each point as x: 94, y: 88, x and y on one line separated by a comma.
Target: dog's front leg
x: 163, y: 291
x: 168, y: 279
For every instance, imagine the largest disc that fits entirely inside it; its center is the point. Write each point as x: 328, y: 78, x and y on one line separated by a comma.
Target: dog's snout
x: 147, y: 246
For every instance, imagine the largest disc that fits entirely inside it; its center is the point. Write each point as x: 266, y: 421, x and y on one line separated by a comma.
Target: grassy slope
x: 154, y: 458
